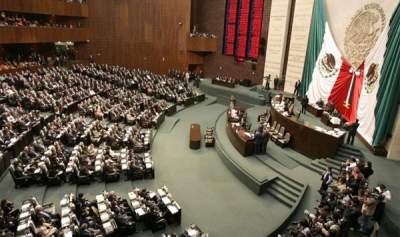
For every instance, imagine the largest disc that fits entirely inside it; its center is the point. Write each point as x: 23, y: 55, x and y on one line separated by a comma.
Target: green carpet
x: 210, y: 195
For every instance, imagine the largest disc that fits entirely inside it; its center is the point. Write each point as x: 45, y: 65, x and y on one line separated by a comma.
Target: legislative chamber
x: 199, y: 118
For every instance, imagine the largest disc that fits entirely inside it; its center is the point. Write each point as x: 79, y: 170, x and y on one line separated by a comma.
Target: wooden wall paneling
x: 210, y: 19
x: 16, y: 35
x: 48, y: 7
x: 137, y: 33
x: 200, y: 44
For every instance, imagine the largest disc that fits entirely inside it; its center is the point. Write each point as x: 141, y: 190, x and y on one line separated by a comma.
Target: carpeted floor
x: 209, y: 194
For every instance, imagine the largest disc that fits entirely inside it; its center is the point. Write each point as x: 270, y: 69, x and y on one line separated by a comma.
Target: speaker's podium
x: 195, y: 136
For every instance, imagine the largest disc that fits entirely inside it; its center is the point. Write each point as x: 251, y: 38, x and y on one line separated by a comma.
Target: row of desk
x: 223, y: 83
x: 27, y: 136
x: 306, y: 138
x: 239, y: 138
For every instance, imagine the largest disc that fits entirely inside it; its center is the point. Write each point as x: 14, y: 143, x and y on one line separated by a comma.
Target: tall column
x: 277, y: 34
x: 394, y: 143
x: 298, y: 43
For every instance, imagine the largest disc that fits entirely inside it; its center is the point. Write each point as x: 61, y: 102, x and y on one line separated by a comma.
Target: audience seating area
x: 11, y: 19
x: 108, y: 215
x: 92, y: 122
x: 348, y: 205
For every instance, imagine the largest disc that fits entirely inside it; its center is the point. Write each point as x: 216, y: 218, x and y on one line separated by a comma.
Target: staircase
x: 286, y: 191
x: 344, y: 152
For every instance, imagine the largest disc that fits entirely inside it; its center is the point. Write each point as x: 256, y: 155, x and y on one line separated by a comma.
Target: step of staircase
x: 279, y: 191
x: 345, y: 154
x: 349, y: 147
x: 322, y: 167
x: 328, y: 164
x: 341, y: 158
x: 291, y: 188
x: 313, y: 168
x: 349, y: 152
x: 319, y: 166
x: 334, y: 161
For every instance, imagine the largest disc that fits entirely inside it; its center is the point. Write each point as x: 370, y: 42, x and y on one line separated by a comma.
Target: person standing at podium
x: 259, y: 140
x: 304, y: 104
x: 352, y: 132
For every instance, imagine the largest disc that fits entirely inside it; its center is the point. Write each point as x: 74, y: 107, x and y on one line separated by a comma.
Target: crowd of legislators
x: 347, y: 204
x: 21, y: 61
x: 103, y: 113
x: 107, y: 215
x: 28, y: 61
x: 31, y: 20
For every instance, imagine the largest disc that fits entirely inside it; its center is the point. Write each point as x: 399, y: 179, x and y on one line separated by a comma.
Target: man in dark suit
x: 304, y: 104
x: 259, y: 140
x: 326, y: 179
x: 352, y: 132
x: 296, y: 88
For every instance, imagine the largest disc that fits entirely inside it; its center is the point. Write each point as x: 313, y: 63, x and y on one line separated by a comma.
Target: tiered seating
x: 124, y: 218
x: 155, y: 209
x: 168, y: 204
x: 138, y: 140
x: 88, y: 215
x: 114, y: 136
x: 137, y: 166
x: 106, y: 215
x: 15, y: 124
x: 9, y: 218
x: 37, y: 220
x: 75, y: 131
x: 69, y: 221
x: 44, y: 166
x: 81, y: 164
x: 130, y: 98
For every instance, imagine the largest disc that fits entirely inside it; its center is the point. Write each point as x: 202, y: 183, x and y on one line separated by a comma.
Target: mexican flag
x: 368, y: 92
x: 335, y: 80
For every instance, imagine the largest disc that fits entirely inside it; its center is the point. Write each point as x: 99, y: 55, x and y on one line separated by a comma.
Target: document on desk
x: 172, y: 209
x: 166, y: 200
x: 140, y: 212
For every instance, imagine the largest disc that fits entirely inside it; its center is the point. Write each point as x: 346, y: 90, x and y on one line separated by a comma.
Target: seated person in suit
x: 320, y: 103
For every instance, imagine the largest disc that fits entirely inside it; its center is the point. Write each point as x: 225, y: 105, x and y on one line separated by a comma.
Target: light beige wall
x: 298, y: 43
x: 278, y: 27
x: 340, y: 12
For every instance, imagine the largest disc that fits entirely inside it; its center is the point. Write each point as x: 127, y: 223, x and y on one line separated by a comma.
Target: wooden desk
x: 325, y: 119
x: 240, y: 113
x: 195, y: 136
x: 315, y: 111
x: 202, y: 44
x: 306, y: 139
x: 243, y: 143
x: 223, y: 83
